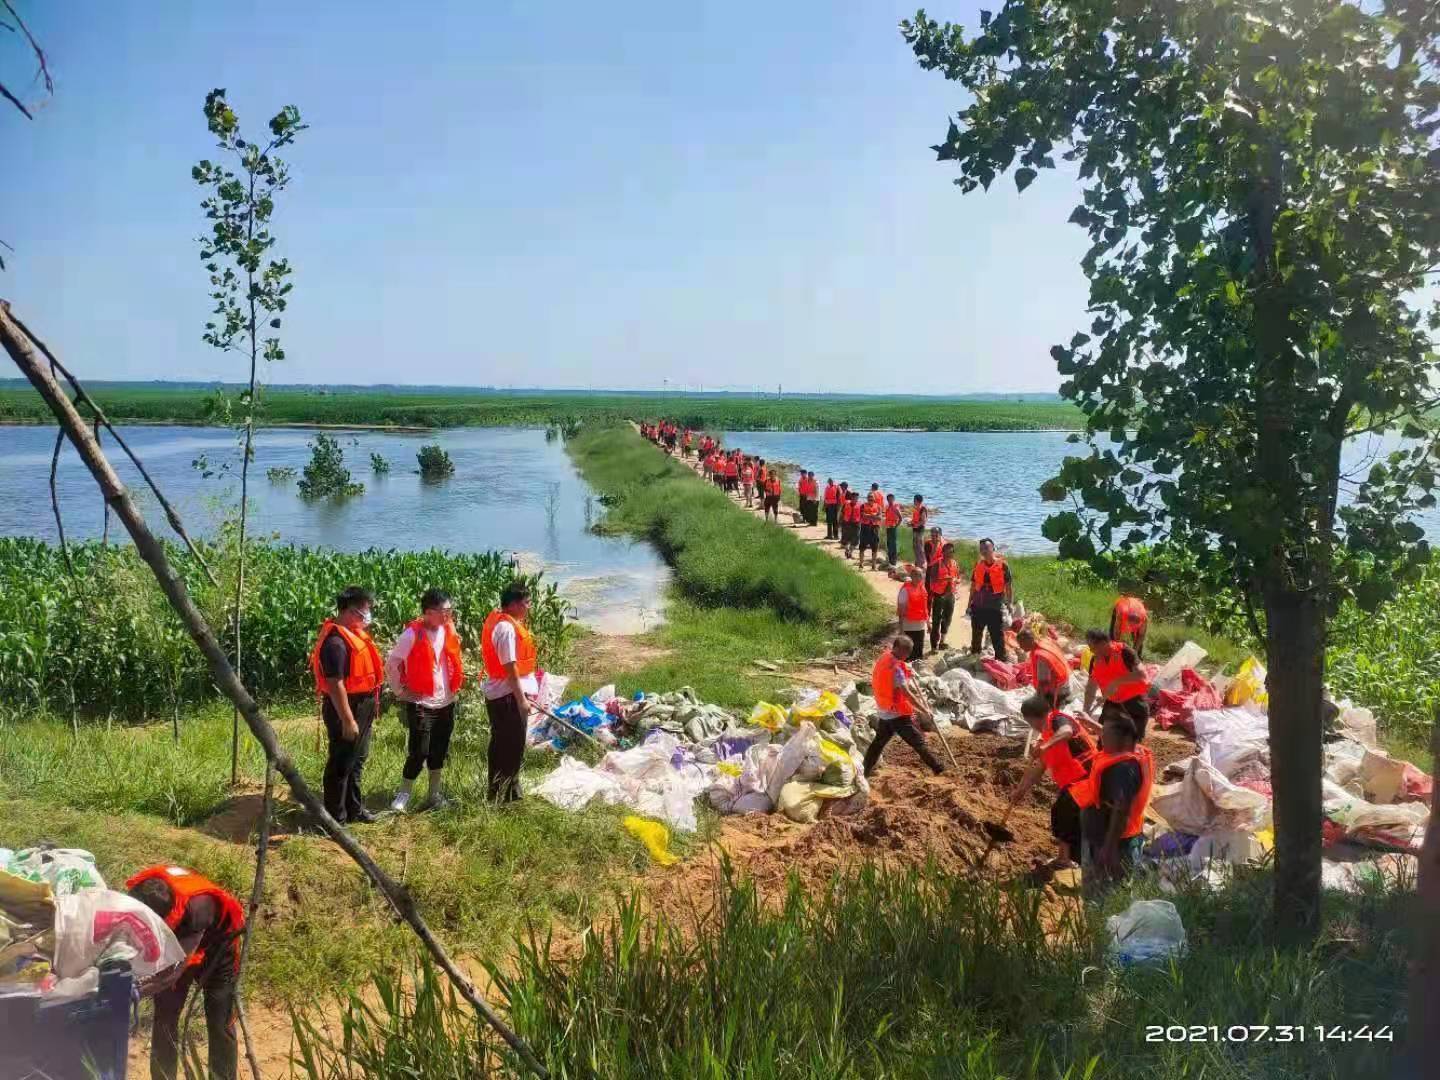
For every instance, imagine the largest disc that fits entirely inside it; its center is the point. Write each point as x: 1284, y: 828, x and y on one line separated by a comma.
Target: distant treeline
x: 481, y: 409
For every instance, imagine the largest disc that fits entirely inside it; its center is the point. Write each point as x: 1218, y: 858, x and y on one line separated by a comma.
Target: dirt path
x: 886, y: 587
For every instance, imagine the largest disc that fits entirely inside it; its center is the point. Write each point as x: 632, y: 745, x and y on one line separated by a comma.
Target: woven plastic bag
x: 771, y: 717
x: 654, y: 836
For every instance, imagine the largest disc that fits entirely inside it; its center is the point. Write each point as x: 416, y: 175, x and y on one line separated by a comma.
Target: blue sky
x: 728, y: 194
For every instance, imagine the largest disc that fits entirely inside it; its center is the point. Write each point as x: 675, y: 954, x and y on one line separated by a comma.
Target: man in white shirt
x: 425, y: 671
x: 508, y: 648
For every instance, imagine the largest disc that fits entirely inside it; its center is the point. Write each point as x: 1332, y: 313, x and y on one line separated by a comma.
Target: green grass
x: 920, y: 974
x: 718, y: 412
x: 479, y: 874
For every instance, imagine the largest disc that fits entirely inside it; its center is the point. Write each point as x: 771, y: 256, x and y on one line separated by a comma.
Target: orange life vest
x: 870, y: 513
x: 1130, y: 615
x: 943, y: 576
x: 892, y: 515
x: 1055, y: 659
x: 917, y: 602
x: 993, y: 573
x: 524, y: 646
x: 832, y: 494
x: 420, y: 664
x: 772, y: 486
x: 1067, y: 762
x: 917, y: 517
x: 1086, y: 792
x: 733, y: 469
x: 882, y: 684
x: 366, y: 671
x: 186, y: 885
x: 748, y: 475
x: 1108, y: 668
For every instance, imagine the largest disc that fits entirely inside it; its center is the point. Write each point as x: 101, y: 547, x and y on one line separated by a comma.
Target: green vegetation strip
x: 102, y: 640
x: 919, y: 974
x: 720, y: 412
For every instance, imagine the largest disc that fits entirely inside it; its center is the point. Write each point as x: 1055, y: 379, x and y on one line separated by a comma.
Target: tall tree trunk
x: 1295, y: 648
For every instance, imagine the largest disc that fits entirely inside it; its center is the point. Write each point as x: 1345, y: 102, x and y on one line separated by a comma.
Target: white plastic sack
x: 1204, y: 801
x: 1188, y: 655
x: 1382, y: 778
x: 1232, y: 736
x: 574, y: 784
x: 604, y: 695
x: 792, y: 756
x: 1357, y: 724
x: 67, y: 870
x: 94, y: 921
x: 1342, y: 765
x: 987, y: 707
x: 1149, y: 931
x: 1233, y: 847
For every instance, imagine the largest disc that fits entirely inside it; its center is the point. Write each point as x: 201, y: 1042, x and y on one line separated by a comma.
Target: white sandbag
x: 1382, y: 778
x: 1233, y: 736
x: 987, y: 707
x: 1357, y: 724
x: 1205, y: 801
x: 1354, y: 876
x: 604, y: 695
x: 792, y: 756
x: 96, y: 922
x: 1342, y: 765
x: 573, y: 785
x: 1227, y: 846
x: 1149, y: 931
x: 1188, y: 655
x: 66, y: 870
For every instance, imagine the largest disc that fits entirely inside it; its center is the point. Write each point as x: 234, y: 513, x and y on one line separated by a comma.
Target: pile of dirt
x: 913, y: 817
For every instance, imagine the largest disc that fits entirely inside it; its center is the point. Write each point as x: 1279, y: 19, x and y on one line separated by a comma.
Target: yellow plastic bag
x: 831, y: 752
x: 827, y: 704
x: 654, y: 836
x: 728, y: 768
x: 1249, y: 685
x: 770, y: 717
x: 1085, y: 657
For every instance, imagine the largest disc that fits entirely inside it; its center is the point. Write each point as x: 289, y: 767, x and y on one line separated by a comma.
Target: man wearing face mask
x: 348, y: 673
x: 425, y: 670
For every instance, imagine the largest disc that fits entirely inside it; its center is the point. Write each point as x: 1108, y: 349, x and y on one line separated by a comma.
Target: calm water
x: 980, y: 484
x: 512, y: 491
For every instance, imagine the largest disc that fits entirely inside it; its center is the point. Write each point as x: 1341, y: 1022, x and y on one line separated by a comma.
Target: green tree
x: 1260, y: 187
x: 246, y: 284
x: 325, y: 475
x: 435, y: 463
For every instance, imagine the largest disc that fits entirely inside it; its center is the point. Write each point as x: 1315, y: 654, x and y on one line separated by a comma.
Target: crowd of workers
x: 1102, y: 769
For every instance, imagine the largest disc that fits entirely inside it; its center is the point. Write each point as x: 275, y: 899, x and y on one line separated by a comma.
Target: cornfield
x: 102, y: 641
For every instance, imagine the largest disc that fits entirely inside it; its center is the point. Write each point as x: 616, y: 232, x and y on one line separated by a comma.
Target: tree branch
x: 22, y: 352
x: 55, y: 500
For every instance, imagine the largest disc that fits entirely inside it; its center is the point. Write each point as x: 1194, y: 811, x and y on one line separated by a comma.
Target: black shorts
x: 849, y: 532
x: 1065, y: 822
x: 869, y: 536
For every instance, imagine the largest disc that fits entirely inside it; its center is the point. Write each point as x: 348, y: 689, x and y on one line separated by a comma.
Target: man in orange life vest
x: 348, y: 673
x: 425, y: 671
x: 510, y: 685
x: 1113, y: 799
x: 892, y: 531
x: 209, y: 923
x: 897, y: 702
x: 1049, y: 667
x: 1117, y: 677
x: 942, y: 575
x: 1064, y: 749
x: 990, y: 591
x: 871, y: 513
x: 918, y: 515
x: 912, y: 607
x: 1130, y: 617
x: 772, y: 495
x: 832, y: 510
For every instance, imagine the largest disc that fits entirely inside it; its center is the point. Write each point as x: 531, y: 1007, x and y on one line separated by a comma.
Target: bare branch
x: 34, y: 46
x: 55, y: 500
x: 8, y: 96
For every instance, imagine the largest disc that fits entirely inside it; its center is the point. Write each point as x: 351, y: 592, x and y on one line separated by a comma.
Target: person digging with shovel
x: 1064, y: 749
x: 898, y: 702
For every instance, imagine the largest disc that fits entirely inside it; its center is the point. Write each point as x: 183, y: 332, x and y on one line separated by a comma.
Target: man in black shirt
x: 990, y: 589
x: 1113, y: 840
x: 348, y: 673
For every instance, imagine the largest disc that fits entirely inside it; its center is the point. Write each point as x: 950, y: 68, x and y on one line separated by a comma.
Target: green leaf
x: 1024, y: 178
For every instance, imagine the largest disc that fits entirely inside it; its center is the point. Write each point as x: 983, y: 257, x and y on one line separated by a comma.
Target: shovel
x: 945, y: 743
x: 566, y: 724
x: 998, y: 834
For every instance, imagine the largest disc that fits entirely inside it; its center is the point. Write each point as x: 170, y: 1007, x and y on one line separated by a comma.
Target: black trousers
x: 345, y: 762
x: 218, y: 986
x: 892, y: 544
x: 507, y: 748
x: 917, y: 640
x: 1065, y: 822
x: 942, y: 610
x: 832, y: 520
x: 887, y: 728
x: 429, y: 743
x: 993, y: 620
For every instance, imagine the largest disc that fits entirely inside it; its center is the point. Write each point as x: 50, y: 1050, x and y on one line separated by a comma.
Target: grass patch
x: 922, y: 974
x: 478, y: 873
